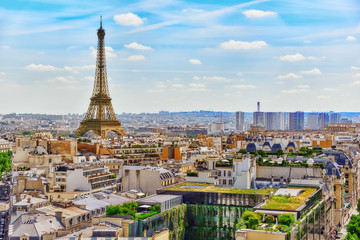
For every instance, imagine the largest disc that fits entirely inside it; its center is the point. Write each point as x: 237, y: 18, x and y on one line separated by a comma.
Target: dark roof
x: 292, y: 144
x: 253, y: 147
x: 332, y: 169
x: 277, y: 146
x: 341, y: 158
x: 268, y: 143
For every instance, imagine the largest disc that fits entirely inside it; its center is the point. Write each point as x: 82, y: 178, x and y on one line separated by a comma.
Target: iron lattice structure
x: 100, y: 116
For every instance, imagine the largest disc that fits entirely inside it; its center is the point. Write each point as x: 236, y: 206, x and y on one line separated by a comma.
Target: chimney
x: 59, y: 214
x: 18, y: 197
x: 258, y: 106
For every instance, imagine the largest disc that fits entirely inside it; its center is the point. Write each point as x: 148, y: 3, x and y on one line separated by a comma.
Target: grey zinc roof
x: 157, y: 198
x: 35, y: 225
x: 25, y: 228
x: 92, y: 203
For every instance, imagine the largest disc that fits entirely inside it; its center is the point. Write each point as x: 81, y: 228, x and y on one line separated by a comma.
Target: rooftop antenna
x: 100, y: 21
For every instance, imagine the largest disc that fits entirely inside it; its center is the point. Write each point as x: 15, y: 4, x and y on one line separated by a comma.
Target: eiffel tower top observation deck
x: 100, y: 116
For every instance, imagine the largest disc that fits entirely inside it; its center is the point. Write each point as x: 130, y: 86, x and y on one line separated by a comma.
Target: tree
x: 249, y: 214
x: 358, y: 205
x: 252, y: 222
x: 286, y: 219
x: 279, y: 152
x: 269, y: 219
x: 243, y: 151
x: 155, y: 208
x: 261, y: 153
x: 353, y: 226
x: 350, y: 236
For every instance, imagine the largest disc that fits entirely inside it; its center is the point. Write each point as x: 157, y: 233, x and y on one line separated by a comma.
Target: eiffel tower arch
x: 100, y: 116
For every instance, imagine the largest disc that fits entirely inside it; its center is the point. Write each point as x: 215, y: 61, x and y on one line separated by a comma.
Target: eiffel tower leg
x: 103, y: 134
x: 120, y: 132
x: 80, y: 131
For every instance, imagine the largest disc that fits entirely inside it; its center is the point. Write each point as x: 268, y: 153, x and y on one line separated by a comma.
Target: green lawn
x: 213, y: 188
x: 288, y: 203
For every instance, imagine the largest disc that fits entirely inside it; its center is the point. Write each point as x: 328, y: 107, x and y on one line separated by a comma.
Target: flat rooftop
x: 289, y: 198
x: 203, y: 187
x: 158, y: 198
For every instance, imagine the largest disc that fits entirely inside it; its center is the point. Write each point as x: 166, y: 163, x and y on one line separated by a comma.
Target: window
x: 224, y: 181
x: 229, y: 173
x: 346, y: 175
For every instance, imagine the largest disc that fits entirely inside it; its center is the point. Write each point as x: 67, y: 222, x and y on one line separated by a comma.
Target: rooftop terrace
x: 203, y: 187
x: 286, y: 202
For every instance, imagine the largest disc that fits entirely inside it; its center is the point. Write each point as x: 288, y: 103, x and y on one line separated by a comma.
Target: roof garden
x: 204, y: 187
x: 286, y: 202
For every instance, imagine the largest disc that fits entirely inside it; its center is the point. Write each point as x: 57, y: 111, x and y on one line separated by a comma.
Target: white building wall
x: 76, y: 180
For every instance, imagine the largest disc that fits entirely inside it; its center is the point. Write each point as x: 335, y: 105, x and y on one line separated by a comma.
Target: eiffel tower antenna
x: 100, y: 116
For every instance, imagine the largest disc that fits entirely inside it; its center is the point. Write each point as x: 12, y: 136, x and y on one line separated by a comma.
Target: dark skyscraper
x: 296, y: 121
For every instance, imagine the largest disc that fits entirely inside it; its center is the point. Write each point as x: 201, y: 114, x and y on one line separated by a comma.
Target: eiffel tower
x: 100, y: 116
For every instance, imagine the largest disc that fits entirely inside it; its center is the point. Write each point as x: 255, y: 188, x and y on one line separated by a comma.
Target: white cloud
x: 60, y: 79
x: 243, y: 86
x: 177, y: 85
x: 196, y: 78
x: 350, y: 38
x: 293, y: 58
x: 88, y: 78
x: 314, y: 58
x: 2, y: 73
x: 137, y: 46
x: 239, y: 74
x: 307, y: 41
x: 323, y: 97
x: 156, y: 90
x: 5, y: 47
x: 314, y: 71
x: 136, y: 58
x: 41, y: 67
x: 329, y: 89
x: 128, y: 19
x: 303, y: 86
x: 42, y: 52
x: 192, y: 11
x: 197, y: 85
x: 355, y: 68
x: 195, y: 61
x: 300, y: 90
x: 159, y: 87
x: 355, y: 83
x: 258, y: 13
x: 217, y: 79
x: 109, y: 52
x: 239, y: 45
x: 289, y: 76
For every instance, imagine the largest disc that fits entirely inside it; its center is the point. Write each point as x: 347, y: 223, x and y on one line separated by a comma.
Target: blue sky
x: 181, y: 55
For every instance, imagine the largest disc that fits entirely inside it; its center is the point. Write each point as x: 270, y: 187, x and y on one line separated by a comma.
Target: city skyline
x: 182, y: 55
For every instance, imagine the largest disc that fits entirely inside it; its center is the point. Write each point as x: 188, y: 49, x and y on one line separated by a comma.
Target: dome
x: 310, y: 161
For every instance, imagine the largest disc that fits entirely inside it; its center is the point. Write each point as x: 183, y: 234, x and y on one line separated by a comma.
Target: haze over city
x: 181, y: 55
